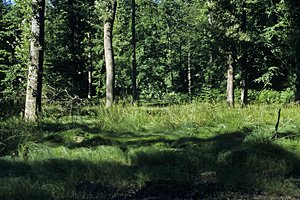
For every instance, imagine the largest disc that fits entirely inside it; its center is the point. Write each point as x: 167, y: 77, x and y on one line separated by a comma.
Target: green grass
x: 194, y: 151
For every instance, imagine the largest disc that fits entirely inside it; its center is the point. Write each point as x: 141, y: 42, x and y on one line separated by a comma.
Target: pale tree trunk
x: 189, y: 74
x: 297, y: 94
x: 90, y: 79
x: 90, y: 69
x: 33, y: 104
x: 230, y: 83
x: 210, y: 16
x: 169, y: 60
x: 244, y: 67
x: 210, y: 22
x: 134, y: 65
x: 108, y: 52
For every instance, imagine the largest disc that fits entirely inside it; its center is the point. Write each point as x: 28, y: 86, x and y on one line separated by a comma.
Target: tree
x: 133, y: 59
x: 294, y: 9
x: 244, y: 68
x: 230, y: 80
x: 108, y: 51
x: 33, y: 104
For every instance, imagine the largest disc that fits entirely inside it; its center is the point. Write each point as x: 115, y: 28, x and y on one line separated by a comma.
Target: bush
x: 272, y: 96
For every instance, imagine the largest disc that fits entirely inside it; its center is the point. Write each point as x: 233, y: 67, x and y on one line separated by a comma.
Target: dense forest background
x: 183, y: 49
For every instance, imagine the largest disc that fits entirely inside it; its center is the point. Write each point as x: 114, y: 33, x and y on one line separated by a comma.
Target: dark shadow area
x: 54, y: 127
x: 13, y: 168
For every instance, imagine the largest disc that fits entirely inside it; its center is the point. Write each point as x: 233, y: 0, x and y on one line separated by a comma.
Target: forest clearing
x: 193, y: 151
x: 149, y: 99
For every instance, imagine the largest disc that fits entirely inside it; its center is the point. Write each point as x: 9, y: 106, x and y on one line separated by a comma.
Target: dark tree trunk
x: 297, y: 94
x: 109, y: 55
x: 33, y: 104
x: 134, y: 66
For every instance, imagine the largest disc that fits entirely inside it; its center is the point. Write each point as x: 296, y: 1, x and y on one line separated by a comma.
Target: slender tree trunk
x: 189, y: 75
x: 90, y: 79
x: 230, y: 83
x: 297, y: 94
x: 244, y: 68
x: 134, y: 67
x: 33, y: 104
x: 210, y: 22
x: 169, y: 60
x: 210, y: 16
x: 90, y: 68
x: 109, y: 55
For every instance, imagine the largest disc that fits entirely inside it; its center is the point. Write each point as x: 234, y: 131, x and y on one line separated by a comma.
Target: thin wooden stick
x: 278, y: 119
x: 276, y: 126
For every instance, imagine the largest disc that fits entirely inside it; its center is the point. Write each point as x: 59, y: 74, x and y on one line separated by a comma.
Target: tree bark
x: 244, y: 67
x: 189, y: 77
x: 33, y: 105
x: 210, y: 16
x: 90, y: 79
x: 134, y: 65
x: 109, y: 55
x: 90, y: 68
x: 297, y: 93
x: 230, y: 83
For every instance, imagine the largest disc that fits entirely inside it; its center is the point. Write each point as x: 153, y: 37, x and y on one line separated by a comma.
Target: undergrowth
x: 194, y: 151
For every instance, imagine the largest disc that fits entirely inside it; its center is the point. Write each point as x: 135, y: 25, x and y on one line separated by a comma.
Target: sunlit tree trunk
x: 133, y: 41
x: 210, y: 22
x: 90, y: 68
x: 108, y: 52
x: 230, y: 83
x: 210, y: 16
x: 244, y: 68
x: 189, y: 74
x: 33, y: 104
x: 90, y: 79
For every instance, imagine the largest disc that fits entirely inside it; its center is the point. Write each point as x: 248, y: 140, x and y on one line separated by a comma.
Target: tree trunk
x: 134, y: 67
x: 244, y: 68
x: 210, y: 16
x: 297, y: 94
x: 33, y: 104
x: 189, y: 77
x: 90, y: 79
x: 109, y: 55
x: 230, y: 80
x: 90, y: 68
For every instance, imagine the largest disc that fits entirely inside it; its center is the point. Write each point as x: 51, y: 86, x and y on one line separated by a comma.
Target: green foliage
x: 174, y: 38
x: 69, y: 35
x: 272, y: 96
x: 15, y: 48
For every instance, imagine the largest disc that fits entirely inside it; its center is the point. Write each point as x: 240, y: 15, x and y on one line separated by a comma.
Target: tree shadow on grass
x: 59, y: 127
x: 224, y: 166
x: 67, y: 135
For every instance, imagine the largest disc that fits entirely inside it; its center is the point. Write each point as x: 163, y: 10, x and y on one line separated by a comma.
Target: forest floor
x: 195, y: 151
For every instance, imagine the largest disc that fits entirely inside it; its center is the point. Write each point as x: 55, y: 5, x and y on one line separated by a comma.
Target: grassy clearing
x: 190, y: 151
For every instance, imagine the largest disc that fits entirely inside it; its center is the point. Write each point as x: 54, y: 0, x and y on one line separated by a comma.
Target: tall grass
x: 197, y: 150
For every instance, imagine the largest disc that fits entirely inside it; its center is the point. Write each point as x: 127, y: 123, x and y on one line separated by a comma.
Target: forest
x: 149, y: 99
